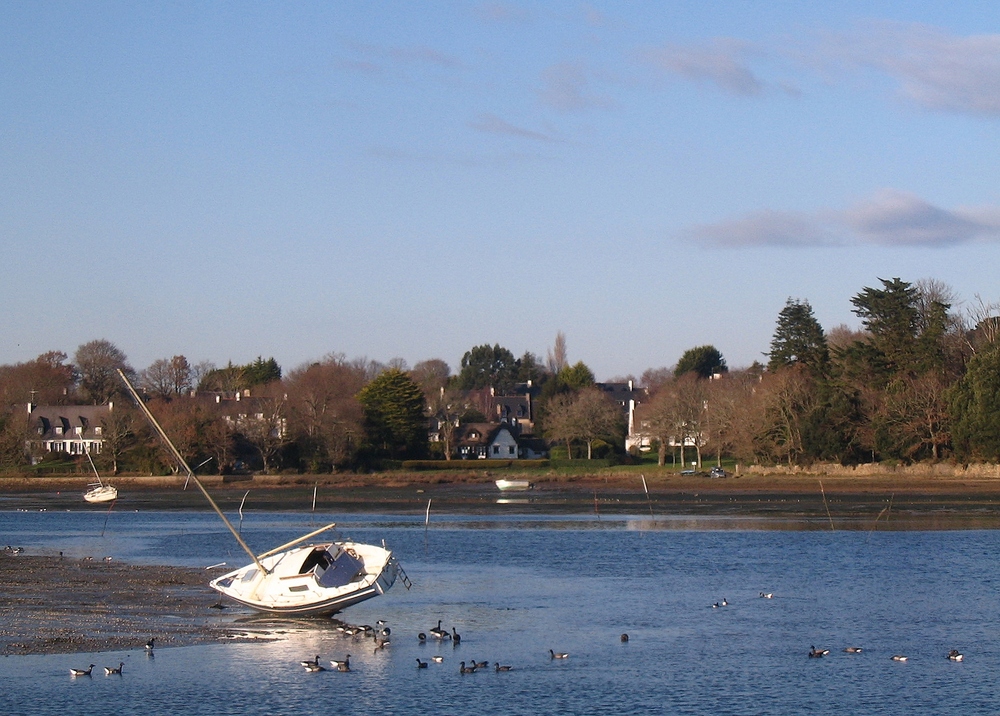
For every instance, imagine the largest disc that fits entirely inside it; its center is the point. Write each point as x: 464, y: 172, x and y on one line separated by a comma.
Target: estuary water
x: 515, y: 586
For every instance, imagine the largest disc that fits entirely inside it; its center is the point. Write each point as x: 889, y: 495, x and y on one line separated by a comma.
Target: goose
x: 421, y: 664
x: 82, y: 672
x: 337, y: 664
x: 481, y: 664
x: 463, y: 669
x: 498, y: 667
x: 422, y: 637
x: 439, y: 633
x: 343, y: 667
x: 724, y: 603
x: 455, y: 637
x: 767, y: 595
x: 899, y: 657
x: 955, y: 655
x: 109, y: 670
x: 307, y: 663
x: 815, y: 653
x: 149, y: 644
x: 558, y: 654
x: 437, y: 659
x: 624, y: 638
x: 853, y: 650
x: 313, y: 668
x: 715, y: 606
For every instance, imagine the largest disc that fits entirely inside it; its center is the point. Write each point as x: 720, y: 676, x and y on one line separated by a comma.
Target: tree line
x: 918, y: 381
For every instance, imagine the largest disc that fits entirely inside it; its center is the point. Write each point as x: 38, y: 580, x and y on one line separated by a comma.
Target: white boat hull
x: 101, y: 493
x: 313, y: 579
x: 513, y: 485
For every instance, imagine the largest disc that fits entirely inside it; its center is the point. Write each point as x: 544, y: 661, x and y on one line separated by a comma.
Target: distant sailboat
x: 98, y: 492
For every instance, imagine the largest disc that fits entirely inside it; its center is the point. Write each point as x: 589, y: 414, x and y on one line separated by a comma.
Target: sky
x: 409, y: 180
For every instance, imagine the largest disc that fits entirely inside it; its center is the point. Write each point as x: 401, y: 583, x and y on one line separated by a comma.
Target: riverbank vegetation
x: 919, y: 382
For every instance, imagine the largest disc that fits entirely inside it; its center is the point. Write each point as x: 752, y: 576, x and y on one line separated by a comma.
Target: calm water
x: 516, y: 586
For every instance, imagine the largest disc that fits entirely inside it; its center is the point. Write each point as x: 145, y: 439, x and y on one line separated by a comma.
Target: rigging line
x: 828, y: 515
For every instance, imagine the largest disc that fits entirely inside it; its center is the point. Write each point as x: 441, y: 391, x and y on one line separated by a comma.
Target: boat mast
x: 190, y: 473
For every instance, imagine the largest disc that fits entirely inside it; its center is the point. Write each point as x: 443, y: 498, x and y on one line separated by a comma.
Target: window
x: 78, y: 430
x: 510, y: 449
x: 59, y: 430
x: 97, y: 430
x: 496, y: 449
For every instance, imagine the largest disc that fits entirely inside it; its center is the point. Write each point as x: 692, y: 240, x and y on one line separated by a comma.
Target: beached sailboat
x: 98, y: 492
x: 296, y: 578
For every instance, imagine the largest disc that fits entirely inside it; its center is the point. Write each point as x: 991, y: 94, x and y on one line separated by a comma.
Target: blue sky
x: 408, y: 180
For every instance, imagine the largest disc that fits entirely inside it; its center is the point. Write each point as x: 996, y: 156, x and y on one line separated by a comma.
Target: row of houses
x: 507, y: 433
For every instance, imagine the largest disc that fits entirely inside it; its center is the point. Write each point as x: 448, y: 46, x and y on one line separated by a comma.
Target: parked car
x: 718, y: 472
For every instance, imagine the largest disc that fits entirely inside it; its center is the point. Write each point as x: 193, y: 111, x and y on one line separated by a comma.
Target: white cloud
x: 933, y: 68
x: 492, y: 124
x: 889, y: 217
x: 565, y: 87
x: 721, y: 62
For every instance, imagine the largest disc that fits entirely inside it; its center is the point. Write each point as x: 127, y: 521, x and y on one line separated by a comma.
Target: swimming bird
x: 439, y: 633
x: 558, y: 654
x: 899, y: 657
x: 955, y: 655
x: 815, y: 653
x: 149, y: 644
x: 313, y: 668
x: 437, y: 659
x: 109, y: 670
x: 724, y: 602
x: 421, y: 664
x: 422, y: 637
x: 767, y: 595
x: 463, y: 669
x: 310, y: 662
x: 455, y: 637
x: 337, y: 664
x: 82, y: 672
x: 481, y: 664
x: 853, y: 650
x: 624, y: 638
x: 343, y: 667
x: 497, y: 667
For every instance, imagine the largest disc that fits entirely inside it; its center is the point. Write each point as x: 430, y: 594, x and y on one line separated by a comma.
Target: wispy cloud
x: 373, y: 58
x: 933, y: 68
x: 721, y: 62
x: 502, y: 12
x: 491, y: 124
x: 566, y: 87
x: 889, y: 218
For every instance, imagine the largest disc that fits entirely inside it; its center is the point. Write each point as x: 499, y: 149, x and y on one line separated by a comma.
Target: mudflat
x: 54, y: 605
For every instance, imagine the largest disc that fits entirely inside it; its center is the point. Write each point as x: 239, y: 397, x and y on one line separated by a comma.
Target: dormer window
x: 59, y: 430
x: 97, y: 430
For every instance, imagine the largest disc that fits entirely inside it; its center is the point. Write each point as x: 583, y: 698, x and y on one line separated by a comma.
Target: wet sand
x: 53, y: 605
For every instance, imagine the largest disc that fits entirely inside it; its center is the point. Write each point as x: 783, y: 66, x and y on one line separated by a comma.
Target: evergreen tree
x: 704, y: 361
x: 487, y: 366
x: 798, y: 338
x: 975, y: 405
x: 394, y: 409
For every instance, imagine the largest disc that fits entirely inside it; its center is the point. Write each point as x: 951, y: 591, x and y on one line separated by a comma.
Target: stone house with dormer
x: 72, y: 429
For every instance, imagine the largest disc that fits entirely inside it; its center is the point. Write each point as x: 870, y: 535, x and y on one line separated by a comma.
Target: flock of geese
x: 112, y: 670
x: 380, y: 633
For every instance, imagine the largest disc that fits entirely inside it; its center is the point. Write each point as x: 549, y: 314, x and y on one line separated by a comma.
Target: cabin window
x: 249, y: 575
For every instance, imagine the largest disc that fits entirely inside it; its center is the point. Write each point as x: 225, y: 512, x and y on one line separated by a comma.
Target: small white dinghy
x: 295, y: 578
x: 98, y: 492
x: 513, y: 485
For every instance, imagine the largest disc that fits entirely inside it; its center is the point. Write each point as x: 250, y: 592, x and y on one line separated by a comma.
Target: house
x: 72, y: 429
x: 481, y: 441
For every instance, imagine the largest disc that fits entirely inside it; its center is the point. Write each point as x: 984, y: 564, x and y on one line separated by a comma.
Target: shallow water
x: 515, y: 586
